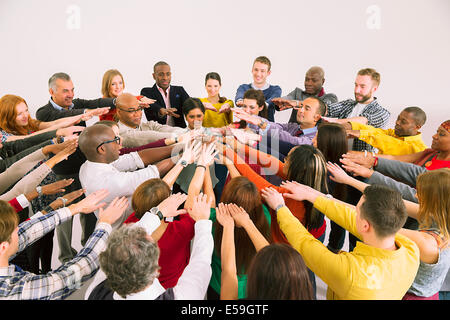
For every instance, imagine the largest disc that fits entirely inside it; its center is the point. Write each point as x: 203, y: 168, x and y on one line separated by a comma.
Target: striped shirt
x: 17, y: 284
x: 376, y: 115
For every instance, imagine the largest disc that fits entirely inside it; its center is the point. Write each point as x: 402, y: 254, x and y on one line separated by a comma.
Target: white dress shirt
x: 120, y: 178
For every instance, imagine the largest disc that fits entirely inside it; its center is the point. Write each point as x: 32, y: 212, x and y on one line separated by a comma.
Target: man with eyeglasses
x: 136, y: 131
x: 120, y: 175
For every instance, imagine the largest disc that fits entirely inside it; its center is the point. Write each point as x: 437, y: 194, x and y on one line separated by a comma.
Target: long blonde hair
x: 433, y: 192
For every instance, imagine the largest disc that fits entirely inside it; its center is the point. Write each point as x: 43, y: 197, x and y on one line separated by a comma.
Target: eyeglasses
x: 132, y: 110
x: 116, y: 140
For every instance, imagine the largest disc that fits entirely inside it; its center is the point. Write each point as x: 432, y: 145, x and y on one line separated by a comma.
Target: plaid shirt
x: 16, y: 284
x: 376, y: 115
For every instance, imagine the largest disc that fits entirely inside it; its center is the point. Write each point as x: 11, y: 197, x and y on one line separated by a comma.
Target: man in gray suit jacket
x: 314, y: 80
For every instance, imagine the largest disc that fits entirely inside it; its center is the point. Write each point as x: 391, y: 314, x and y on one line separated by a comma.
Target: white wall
x: 408, y: 42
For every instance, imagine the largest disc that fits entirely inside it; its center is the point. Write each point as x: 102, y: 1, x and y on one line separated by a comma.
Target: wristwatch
x: 183, y: 163
x: 281, y: 205
x: 39, y: 190
x: 156, y: 211
x: 261, y: 124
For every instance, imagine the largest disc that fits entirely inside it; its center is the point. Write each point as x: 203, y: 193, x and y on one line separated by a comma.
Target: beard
x: 361, y: 98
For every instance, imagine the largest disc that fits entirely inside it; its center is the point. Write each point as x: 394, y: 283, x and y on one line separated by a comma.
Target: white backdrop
x: 407, y: 41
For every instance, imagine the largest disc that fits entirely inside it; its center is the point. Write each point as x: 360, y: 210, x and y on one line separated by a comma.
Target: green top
x: 216, y: 263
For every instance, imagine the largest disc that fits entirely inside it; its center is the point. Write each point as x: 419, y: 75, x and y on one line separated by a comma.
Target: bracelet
x: 375, y: 162
x: 201, y: 166
x: 281, y: 205
x: 64, y: 200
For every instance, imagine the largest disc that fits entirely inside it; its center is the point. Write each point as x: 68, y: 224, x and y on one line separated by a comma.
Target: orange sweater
x: 265, y: 160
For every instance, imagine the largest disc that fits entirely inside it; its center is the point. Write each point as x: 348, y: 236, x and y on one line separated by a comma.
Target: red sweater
x: 174, y: 246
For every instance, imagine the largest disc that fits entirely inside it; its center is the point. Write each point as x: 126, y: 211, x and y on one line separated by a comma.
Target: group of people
x: 193, y: 198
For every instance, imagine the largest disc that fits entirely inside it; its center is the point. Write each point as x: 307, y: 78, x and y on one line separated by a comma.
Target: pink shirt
x: 169, y: 121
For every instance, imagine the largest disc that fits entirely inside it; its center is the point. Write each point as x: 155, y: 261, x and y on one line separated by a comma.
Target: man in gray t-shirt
x: 314, y: 80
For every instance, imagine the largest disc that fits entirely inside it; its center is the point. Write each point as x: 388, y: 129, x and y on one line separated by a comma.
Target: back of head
x: 90, y: 138
x: 191, y: 104
x: 130, y: 260
x: 418, y: 115
x: 372, y: 73
x: 433, y: 190
x: 278, y: 272
x: 307, y: 166
x: 332, y: 142
x: 149, y: 194
x: 8, y: 221
x: 242, y: 192
x: 384, y: 208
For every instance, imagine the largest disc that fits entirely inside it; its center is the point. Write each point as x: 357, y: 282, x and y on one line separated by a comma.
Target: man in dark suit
x: 169, y: 99
x: 61, y: 105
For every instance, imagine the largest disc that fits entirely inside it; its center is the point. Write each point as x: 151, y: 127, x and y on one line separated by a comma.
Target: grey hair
x: 56, y: 76
x: 130, y: 260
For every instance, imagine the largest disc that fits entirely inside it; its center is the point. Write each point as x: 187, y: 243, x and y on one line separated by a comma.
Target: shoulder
x: 244, y: 86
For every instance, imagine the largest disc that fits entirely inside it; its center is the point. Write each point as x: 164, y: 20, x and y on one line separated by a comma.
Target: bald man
x: 134, y: 129
x: 314, y: 80
x: 120, y: 175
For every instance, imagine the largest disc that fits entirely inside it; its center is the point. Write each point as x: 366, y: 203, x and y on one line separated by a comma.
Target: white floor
x: 79, y: 294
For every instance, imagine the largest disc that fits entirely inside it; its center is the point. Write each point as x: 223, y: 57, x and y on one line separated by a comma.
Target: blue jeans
x: 444, y: 295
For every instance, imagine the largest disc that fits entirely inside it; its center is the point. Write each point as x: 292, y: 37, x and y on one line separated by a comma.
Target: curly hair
x: 130, y: 260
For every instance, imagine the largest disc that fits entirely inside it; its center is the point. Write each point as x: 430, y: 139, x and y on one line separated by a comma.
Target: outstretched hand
x: 90, y: 203
x: 356, y: 169
x: 300, y: 192
x: 272, y: 197
x: 169, y: 206
x: 201, y: 207
x: 223, y: 216
x: 114, y: 211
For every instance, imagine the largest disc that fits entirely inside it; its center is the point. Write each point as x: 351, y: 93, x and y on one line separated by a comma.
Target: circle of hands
x: 225, y: 108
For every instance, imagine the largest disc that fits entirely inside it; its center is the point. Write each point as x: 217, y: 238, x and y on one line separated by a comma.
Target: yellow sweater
x: 216, y: 119
x: 366, y: 273
x: 387, y: 142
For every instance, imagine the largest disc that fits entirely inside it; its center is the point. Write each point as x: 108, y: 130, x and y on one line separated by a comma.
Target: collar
x: 122, y: 125
x: 8, y: 271
x: 58, y: 107
x: 150, y: 293
x: 161, y: 89
x: 366, y: 250
x: 264, y: 87
x: 308, y: 131
x: 417, y: 137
